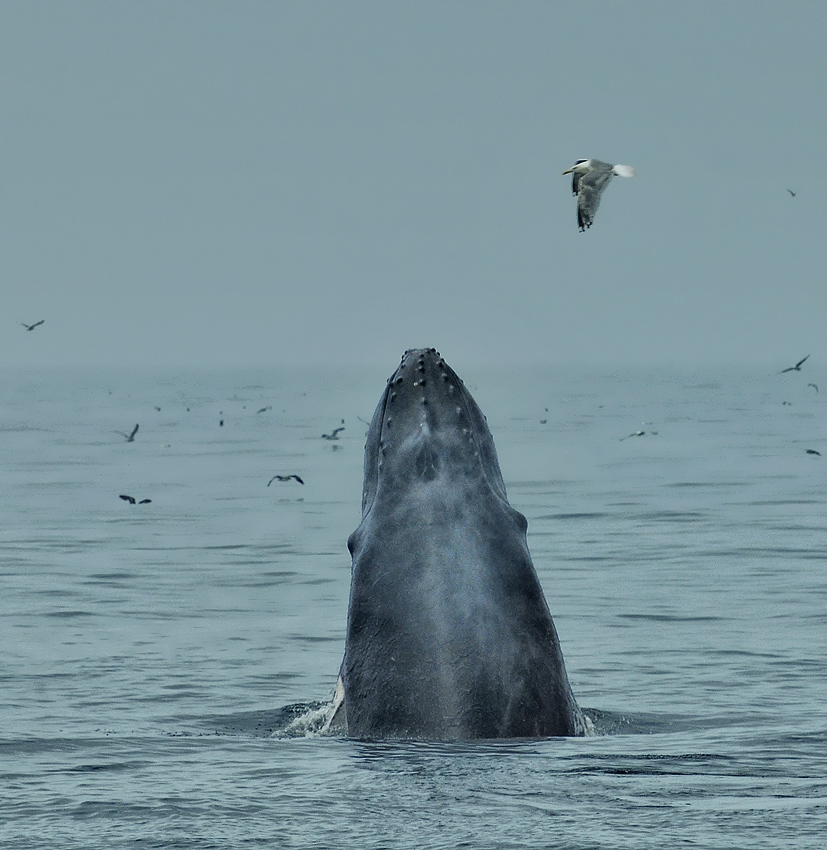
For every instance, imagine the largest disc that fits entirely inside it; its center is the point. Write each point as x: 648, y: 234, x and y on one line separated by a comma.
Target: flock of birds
x: 130, y: 438
x: 795, y: 368
x: 589, y: 180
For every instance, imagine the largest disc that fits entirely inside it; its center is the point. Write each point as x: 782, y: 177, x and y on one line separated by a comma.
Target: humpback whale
x: 449, y: 636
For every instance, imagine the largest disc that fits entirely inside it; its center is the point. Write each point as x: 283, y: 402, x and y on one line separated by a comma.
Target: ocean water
x: 155, y: 655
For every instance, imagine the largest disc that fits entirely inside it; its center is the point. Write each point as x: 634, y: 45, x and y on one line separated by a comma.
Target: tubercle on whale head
x: 427, y: 424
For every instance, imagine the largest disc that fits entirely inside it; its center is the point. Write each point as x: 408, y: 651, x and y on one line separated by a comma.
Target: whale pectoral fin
x: 336, y: 718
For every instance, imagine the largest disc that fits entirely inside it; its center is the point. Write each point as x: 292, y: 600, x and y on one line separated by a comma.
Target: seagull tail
x: 625, y: 170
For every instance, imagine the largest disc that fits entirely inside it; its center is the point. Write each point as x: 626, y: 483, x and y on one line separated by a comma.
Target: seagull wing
x: 800, y: 362
x: 591, y: 187
x: 575, y: 182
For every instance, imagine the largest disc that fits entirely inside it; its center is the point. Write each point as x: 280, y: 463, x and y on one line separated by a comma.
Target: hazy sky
x: 225, y: 183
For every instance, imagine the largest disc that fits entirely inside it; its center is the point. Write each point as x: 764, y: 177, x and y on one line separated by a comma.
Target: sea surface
x: 160, y: 660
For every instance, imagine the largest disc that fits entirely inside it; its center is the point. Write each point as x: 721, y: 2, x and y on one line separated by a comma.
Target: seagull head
x: 580, y: 165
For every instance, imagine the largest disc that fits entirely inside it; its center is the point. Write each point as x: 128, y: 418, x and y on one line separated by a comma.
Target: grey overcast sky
x: 228, y: 183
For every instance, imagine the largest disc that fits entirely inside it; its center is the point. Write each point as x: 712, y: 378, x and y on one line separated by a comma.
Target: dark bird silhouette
x: 796, y: 368
x: 813, y: 452
x: 32, y: 327
x: 265, y: 409
x: 334, y: 434
x: 131, y: 500
x: 284, y: 478
x: 791, y: 192
x: 634, y: 434
x: 130, y: 438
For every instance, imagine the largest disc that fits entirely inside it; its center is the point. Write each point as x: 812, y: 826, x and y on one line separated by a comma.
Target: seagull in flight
x: 131, y: 500
x: 284, y: 478
x: 796, y: 368
x: 32, y: 327
x: 130, y: 438
x: 334, y: 434
x: 589, y: 177
x: 791, y: 192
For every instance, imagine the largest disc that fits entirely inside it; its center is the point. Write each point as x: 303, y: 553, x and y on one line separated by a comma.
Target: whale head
x: 449, y: 634
x: 428, y: 430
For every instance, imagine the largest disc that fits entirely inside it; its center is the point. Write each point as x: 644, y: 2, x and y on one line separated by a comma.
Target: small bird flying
x: 32, y: 327
x: 589, y: 177
x: 285, y: 478
x: 796, y: 368
x: 334, y: 434
x: 130, y: 438
x: 791, y: 192
x: 131, y: 500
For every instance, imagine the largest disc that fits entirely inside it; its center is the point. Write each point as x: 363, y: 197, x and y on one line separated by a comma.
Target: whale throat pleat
x: 427, y: 463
